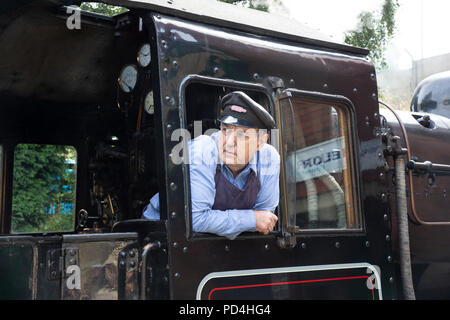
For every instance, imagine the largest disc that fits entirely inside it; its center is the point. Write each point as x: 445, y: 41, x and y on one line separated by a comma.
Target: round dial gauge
x: 144, y: 57
x: 149, y: 103
x: 128, y: 78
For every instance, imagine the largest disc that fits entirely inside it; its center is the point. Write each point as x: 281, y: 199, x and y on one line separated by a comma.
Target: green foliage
x: 374, y: 32
x: 261, y: 5
x: 42, y: 182
x: 102, y: 8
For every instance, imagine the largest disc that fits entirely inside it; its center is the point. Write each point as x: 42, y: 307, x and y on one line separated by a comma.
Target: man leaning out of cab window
x: 234, y: 173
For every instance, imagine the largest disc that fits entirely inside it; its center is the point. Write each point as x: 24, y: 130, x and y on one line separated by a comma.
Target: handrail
x: 149, y: 247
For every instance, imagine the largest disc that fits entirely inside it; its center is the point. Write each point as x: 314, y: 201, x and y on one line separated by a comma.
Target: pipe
x: 149, y: 247
x: 402, y: 216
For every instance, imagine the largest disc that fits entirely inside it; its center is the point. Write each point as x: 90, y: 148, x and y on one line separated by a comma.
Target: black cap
x: 240, y: 110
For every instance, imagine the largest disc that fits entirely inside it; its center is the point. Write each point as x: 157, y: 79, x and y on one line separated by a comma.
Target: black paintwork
x: 238, y: 57
x: 189, y: 57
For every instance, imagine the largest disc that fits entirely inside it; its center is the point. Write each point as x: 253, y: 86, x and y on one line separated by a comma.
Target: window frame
x: 12, y: 149
x: 352, y: 162
x: 236, y: 85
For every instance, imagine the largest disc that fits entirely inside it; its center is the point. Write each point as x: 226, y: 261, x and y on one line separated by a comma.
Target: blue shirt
x: 204, y: 157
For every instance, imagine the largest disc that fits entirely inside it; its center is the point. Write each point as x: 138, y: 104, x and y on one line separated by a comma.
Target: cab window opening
x: 44, y: 188
x: 322, y: 194
x: 202, y: 108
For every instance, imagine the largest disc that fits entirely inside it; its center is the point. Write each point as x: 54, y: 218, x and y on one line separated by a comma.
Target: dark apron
x: 228, y: 196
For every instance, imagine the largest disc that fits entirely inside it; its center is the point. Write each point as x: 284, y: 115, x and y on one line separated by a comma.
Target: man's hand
x: 265, y: 221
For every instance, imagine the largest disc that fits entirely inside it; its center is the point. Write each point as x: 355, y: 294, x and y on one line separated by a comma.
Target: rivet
x: 132, y: 264
x: 367, y: 244
x: 216, y: 70
x: 123, y: 254
x: 177, y: 275
x: 383, y: 197
x: 303, y: 245
x: 72, y: 261
x: 266, y: 247
x: 122, y: 263
x: 255, y: 76
x: 380, y: 155
x: 72, y: 252
x: 372, y: 76
x: 227, y: 248
x: 175, y: 63
x: 163, y: 42
x: 173, y: 186
x: 165, y: 70
x: 355, y: 90
x: 375, y: 115
x: 374, y: 96
x: 389, y: 259
x: 292, y: 82
x: 185, y: 249
x: 175, y: 244
x: 325, y: 85
x: 391, y: 280
x: 381, y: 175
x: 388, y: 238
x: 173, y: 215
x: 132, y: 253
x: 337, y: 245
x: 385, y: 217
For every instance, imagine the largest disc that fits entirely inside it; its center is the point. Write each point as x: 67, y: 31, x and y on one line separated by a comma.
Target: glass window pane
x: 323, y: 181
x: 43, y: 188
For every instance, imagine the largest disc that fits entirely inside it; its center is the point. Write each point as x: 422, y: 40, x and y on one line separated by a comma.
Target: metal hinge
x: 58, y: 260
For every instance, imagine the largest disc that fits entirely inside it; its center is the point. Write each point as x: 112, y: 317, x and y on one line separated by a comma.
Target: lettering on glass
x: 320, y: 159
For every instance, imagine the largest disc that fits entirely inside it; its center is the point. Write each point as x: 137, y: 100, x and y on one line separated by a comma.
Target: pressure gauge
x: 149, y: 103
x: 128, y: 78
x: 144, y: 57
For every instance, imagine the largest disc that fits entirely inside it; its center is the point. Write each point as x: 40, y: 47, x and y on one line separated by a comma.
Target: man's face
x: 237, y: 145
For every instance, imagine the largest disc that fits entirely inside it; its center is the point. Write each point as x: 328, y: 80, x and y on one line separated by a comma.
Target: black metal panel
x: 332, y: 282
x: 186, y: 49
x: 108, y: 265
x: 25, y: 268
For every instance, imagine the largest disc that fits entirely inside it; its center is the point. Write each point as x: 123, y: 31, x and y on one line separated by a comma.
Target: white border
x: 240, y: 273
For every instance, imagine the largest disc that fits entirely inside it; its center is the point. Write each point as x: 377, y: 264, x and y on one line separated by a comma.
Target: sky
x: 422, y: 26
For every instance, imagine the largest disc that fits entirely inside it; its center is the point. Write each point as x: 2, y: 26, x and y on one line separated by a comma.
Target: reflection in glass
x: 43, y: 188
x: 323, y: 188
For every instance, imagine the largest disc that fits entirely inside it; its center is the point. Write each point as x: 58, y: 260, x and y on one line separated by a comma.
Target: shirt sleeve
x: 152, y: 210
x: 228, y: 223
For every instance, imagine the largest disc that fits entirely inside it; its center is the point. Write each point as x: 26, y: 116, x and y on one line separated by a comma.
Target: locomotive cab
x: 94, y: 121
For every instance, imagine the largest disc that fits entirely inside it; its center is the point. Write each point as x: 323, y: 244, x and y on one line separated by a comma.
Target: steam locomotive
x: 91, y: 111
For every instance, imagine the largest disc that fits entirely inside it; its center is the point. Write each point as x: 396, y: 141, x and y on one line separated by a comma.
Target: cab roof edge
x: 243, y: 19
